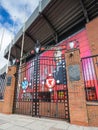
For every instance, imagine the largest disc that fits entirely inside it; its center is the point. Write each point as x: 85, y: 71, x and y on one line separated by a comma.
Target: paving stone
x: 62, y: 126
x: 2, y: 121
x: 53, y: 128
x: 90, y: 128
x: 36, y: 127
x: 6, y: 126
x: 17, y: 128
x: 74, y: 127
x: 18, y: 122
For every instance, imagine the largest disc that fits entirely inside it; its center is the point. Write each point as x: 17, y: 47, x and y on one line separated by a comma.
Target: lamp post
x: 36, y: 78
x: 37, y: 47
x: 71, y: 44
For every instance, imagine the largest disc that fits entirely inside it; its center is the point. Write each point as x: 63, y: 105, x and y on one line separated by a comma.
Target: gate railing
x: 90, y: 75
x: 43, y: 102
x: 2, y: 85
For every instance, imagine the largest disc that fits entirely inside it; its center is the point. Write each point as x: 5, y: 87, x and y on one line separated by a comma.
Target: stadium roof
x: 57, y: 18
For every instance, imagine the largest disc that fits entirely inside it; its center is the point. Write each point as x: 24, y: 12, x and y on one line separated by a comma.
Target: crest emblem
x: 24, y: 84
x: 50, y: 82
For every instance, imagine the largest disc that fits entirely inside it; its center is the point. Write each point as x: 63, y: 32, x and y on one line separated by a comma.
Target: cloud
x: 18, y: 11
x: 5, y: 39
x: 6, y: 36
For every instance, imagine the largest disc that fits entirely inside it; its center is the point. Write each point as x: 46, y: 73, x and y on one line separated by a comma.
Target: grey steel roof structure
x: 56, y: 18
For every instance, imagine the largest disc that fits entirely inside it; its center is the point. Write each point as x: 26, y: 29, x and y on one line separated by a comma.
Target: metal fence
x: 2, y: 85
x: 37, y: 99
x: 90, y: 75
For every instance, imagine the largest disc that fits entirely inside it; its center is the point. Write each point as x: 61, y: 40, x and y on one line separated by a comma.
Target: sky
x: 13, y: 13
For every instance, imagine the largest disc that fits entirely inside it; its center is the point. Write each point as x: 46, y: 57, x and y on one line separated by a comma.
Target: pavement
x: 20, y: 122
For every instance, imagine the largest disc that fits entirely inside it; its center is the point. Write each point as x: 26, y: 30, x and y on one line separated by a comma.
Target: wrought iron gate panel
x: 38, y: 99
x: 2, y: 85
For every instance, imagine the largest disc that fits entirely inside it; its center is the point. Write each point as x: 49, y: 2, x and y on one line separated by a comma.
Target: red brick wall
x: 92, y: 109
x: 6, y: 105
x: 92, y: 32
x: 8, y: 98
x: 1, y: 106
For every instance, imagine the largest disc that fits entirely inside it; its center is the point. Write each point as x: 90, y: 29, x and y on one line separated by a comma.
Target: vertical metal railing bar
x: 96, y: 80
x: 15, y: 91
x: 2, y: 85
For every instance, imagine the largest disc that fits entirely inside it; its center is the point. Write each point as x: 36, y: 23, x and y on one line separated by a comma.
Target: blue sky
x: 5, y: 16
x: 13, y: 12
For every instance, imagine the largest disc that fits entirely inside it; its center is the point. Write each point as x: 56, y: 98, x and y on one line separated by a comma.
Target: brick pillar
x: 92, y: 32
x: 76, y: 93
x: 9, y: 91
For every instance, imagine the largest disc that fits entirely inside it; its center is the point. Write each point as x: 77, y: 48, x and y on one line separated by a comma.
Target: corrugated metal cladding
x: 58, y: 17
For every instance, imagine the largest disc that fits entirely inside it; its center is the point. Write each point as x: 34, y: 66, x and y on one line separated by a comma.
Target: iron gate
x: 37, y: 99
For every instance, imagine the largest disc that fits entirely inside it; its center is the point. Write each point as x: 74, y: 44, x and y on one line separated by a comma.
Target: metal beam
x: 31, y: 37
x: 84, y: 11
x: 12, y: 56
x: 55, y: 34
